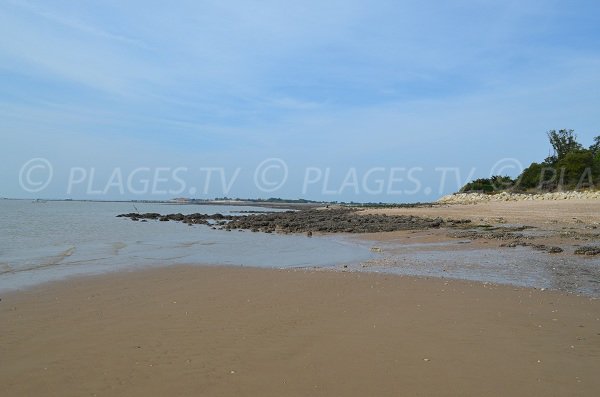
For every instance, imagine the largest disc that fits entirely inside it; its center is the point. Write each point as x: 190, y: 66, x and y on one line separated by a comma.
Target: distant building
x: 181, y: 200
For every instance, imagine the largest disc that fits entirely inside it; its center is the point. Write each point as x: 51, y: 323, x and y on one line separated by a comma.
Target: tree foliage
x: 595, y: 148
x: 489, y: 185
x: 531, y: 176
x: 573, y: 166
x: 563, y: 141
x: 570, y: 167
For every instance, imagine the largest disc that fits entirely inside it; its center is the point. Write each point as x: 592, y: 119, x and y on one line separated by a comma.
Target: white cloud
x: 341, y: 81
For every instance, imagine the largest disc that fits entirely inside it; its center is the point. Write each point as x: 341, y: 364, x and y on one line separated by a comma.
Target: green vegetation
x: 489, y: 185
x: 571, y: 167
x: 563, y: 142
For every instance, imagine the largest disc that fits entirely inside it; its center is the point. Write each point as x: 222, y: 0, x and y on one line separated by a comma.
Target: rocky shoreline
x: 352, y: 220
x: 338, y: 220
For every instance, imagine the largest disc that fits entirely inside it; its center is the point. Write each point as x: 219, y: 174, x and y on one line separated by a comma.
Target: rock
x: 538, y: 247
x: 474, y: 198
x: 587, y: 250
x: 333, y: 220
x: 437, y: 222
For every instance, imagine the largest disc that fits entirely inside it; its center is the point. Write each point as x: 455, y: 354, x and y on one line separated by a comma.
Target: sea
x: 42, y: 241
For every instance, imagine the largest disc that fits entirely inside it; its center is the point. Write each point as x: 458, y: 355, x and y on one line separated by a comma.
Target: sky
x: 392, y: 101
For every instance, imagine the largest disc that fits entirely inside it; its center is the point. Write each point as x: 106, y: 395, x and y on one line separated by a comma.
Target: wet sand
x: 532, y: 243
x: 223, y: 331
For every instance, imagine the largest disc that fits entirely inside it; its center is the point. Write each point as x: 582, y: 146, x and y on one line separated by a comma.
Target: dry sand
x: 218, y: 331
x: 535, y: 213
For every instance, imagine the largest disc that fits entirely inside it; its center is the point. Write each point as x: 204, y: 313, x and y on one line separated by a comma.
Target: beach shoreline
x: 349, y: 330
x: 192, y: 330
x: 552, y: 244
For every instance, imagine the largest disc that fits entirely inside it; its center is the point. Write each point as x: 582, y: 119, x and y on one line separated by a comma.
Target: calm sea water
x: 47, y: 241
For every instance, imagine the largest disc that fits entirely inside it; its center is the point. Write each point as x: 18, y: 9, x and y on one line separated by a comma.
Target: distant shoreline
x: 277, y: 204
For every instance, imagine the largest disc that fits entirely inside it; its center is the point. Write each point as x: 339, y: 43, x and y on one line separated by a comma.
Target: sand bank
x: 577, y: 213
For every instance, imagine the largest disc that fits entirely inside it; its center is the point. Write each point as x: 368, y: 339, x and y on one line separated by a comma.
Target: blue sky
x: 336, y: 85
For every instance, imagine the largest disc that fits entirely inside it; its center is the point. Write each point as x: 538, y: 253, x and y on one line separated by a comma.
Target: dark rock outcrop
x: 339, y: 220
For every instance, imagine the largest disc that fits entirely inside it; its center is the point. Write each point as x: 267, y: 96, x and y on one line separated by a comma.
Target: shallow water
x: 47, y: 241
x: 42, y: 242
x: 520, y: 266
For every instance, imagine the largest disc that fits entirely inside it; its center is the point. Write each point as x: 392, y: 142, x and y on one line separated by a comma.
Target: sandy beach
x: 337, y: 199
x: 224, y: 331
x: 547, y: 214
x: 567, y: 224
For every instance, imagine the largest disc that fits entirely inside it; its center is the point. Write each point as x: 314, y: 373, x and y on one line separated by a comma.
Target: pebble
x: 474, y: 198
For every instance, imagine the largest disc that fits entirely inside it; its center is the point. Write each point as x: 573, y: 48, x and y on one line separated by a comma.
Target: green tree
x: 595, y: 148
x: 530, y: 178
x: 539, y: 177
x: 478, y: 185
x: 571, y: 166
x: 576, y: 167
x: 563, y: 141
x: 489, y: 185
